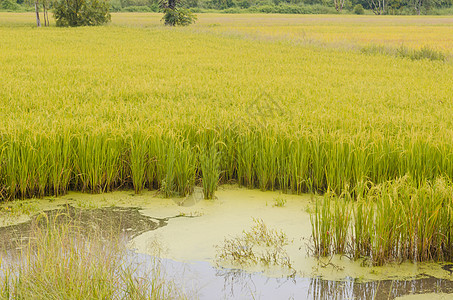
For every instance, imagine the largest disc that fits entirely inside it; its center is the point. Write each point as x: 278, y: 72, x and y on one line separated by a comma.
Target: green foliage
x: 178, y: 17
x: 358, y: 9
x: 81, y: 12
x: 9, y: 5
x: 209, y: 158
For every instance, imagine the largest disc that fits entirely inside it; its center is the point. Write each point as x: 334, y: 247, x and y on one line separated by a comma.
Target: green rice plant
x: 98, y: 161
x: 246, y: 153
x: 318, y: 162
x: 283, y: 179
x: 60, y: 162
x: 20, y: 170
x: 266, y: 161
x: 385, y: 160
x: 394, y: 221
x: 185, y: 168
x: 138, y: 160
x: 342, y: 214
x: 363, y: 227
x: 423, y: 53
x: 228, y: 161
x: 209, y: 158
x: 322, y: 227
x: 157, y: 157
x: 3, y: 192
x: 26, y: 159
x: 175, y: 165
x: 168, y: 161
x: 339, y: 163
x: 10, y: 169
x: 299, y: 165
x: 42, y: 166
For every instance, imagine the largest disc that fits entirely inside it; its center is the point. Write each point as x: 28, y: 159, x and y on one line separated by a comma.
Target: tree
x: 339, y: 4
x: 377, y: 6
x: 81, y: 12
x: 175, y: 14
x: 45, y: 5
x: 427, y: 4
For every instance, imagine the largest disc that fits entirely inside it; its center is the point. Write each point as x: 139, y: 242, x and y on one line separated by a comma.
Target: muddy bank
x: 105, y: 221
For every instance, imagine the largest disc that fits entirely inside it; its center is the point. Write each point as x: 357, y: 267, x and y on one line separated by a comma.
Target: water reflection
x: 204, y: 281
x: 383, y: 289
x: 214, y: 283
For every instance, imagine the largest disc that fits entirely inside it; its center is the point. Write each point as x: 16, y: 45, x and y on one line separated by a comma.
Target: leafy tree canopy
x: 81, y: 12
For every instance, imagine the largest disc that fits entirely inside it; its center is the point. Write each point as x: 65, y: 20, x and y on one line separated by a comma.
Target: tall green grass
x: 60, y: 262
x: 394, y: 221
x: 38, y: 165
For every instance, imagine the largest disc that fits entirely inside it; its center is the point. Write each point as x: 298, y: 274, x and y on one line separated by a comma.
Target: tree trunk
x: 46, y: 14
x: 38, y: 21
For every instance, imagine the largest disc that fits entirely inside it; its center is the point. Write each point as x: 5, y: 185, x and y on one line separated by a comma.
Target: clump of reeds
x: 393, y: 221
x: 59, y: 262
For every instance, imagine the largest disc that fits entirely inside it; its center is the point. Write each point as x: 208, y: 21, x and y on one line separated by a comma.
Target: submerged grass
x: 59, y: 262
x: 390, y: 222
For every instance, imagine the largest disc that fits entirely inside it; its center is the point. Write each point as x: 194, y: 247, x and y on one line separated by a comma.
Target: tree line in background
x: 378, y: 7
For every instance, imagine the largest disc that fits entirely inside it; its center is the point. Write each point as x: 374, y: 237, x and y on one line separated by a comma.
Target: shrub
x: 9, y: 5
x: 178, y: 17
x: 81, y: 12
x: 358, y: 9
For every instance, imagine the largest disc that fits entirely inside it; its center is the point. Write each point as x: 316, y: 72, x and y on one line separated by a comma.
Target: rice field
x: 130, y: 106
x: 298, y: 103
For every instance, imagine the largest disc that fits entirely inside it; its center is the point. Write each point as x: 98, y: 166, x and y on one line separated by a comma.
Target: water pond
x: 191, y: 233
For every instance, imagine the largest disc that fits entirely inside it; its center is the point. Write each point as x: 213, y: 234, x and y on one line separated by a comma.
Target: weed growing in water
x: 259, y: 245
x: 279, y: 201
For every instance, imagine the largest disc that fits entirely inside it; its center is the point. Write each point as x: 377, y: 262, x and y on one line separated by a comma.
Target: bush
x: 178, y: 17
x: 9, y: 5
x: 358, y: 9
x: 81, y: 12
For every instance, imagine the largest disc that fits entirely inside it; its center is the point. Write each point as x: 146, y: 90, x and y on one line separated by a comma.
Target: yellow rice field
x: 269, y: 101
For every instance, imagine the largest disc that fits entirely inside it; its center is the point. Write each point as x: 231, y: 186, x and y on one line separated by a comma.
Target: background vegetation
x: 392, y: 7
